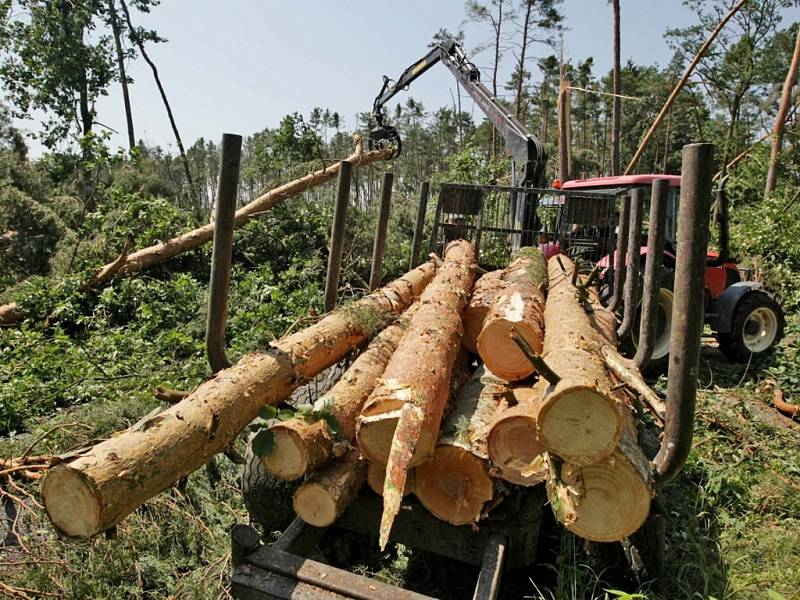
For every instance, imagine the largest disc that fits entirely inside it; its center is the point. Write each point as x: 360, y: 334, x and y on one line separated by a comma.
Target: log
x: 302, y: 446
x: 455, y: 484
x: 376, y: 478
x: 325, y: 495
x: 420, y: 371
x: 87, y: 494
x: 399, y: 425
x: 483, y: 296
x: 626, y: 372
x: 578, y: 419
x: 157, y: 253
x: 513, y: 444
x: 519, y: 307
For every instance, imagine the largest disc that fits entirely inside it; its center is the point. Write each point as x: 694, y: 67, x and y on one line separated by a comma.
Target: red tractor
x: 746, y: 319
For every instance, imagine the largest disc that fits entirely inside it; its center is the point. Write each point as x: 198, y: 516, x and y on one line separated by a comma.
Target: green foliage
x: 264, y: 440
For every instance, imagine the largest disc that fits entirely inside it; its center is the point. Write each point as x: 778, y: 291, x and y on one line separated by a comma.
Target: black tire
x: 658, y: 363
x: 756, y: 328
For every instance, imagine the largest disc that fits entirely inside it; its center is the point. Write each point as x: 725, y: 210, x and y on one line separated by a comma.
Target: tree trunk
x: 302, y: 446
x: 617, y: 101
x: 146, y: 257
x: 521, y: 61
x: 780, y: 119
x: 87, y: 494
x: 486, y: 290
x: 123, y: 79
x: 520, y: 307
x: 376, y: 478
x: 325, y: 495
x: 138, y: 41
x: 564, y: 140
x: 455, y: 484
x: 572, y: 349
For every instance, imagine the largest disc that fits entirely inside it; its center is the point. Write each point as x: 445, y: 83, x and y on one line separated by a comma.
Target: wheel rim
x: 663, y: 324
x: 760, y: 329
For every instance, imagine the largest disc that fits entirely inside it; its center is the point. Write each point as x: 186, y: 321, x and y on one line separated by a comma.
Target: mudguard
x: 722, y: 312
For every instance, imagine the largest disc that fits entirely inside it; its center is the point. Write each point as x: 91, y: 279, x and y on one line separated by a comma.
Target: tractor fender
x: 722, y: 312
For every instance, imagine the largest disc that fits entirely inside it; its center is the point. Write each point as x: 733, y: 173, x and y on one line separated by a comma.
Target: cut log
x: 420, y: 370
x: 513, y: 442
x: 302, y: 446
x: 519, y: 306
x: 376, y: 477
x: 146, y: 257
x: 455, y: 484
x: 325, y: 495
x: 626, y: 372
x: 486, y: 290
x: 578, y: 419
x: 87, y: 494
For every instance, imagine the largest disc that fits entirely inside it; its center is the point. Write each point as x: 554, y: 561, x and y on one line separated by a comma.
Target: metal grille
x: 498, y: 220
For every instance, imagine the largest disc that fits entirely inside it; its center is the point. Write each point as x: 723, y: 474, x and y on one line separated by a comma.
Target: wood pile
x: 479, y: 384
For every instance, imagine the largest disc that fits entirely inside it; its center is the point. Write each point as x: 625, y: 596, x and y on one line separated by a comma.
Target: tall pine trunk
x: 123, y: 79
x: 617, y: 111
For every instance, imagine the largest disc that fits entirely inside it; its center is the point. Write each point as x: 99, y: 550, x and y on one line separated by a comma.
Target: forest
x: 87, y: 335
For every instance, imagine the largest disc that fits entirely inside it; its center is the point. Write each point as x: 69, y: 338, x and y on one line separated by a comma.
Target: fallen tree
x: 86, y: 494
x: 483, y: 296
x: 300, y: 445
x: 325, y: 495
x: 141, y: 259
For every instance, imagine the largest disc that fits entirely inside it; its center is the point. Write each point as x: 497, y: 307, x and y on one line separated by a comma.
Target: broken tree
x: 86, y: 494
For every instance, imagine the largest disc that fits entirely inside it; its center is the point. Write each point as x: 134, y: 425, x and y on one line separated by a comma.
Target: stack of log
x: 478, y: 384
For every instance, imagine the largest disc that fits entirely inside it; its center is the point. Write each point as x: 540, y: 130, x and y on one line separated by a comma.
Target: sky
x: 238, y: 66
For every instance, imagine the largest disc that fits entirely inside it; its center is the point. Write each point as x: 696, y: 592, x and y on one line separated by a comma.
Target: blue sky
x: 240, y: 65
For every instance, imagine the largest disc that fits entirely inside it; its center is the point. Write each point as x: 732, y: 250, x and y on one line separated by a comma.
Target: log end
x: 300, y: 447
x: 72, y: 503
x: 315, y: 505
x: 473, y: 323
x: 374, y: 435
x: 579, y: 424
x: 514, y: 448
x: 501, y: 355
x: 454, y: 485
x: 376, y: 476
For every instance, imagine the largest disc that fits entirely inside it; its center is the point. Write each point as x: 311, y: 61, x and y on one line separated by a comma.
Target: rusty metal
x: 222, y: 251
x: 244, y: 541
x: 337, y: 234
x: 687, y: 312
x: 494, y: 558
x: 630, y: 300
x: 619, y: 258
x: 721, y: 217
x: 380, y: 232
x: 652, y: 272
x: 419, y: 224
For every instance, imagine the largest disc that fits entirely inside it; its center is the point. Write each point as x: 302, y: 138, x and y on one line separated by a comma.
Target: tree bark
x: 123, y: 79
x: 455, y: 484
x: 301, y: 446
x: 520, y: 307
x: 483, y: 296
x: 325, y: 495
x: 780, y: 120
x: 617, y: 101
x: 141, y: 259
x: 521, y: 61
x: 86, y: 495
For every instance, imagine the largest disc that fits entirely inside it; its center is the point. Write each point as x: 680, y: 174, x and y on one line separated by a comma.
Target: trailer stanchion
x: 652, y: 272
x: 222, y: 250
x: 380, y: 232
x: 687, y: 313
x: 634, y: 258
x: 419, y: 225
x: 337, y: 234
x: 619, y: 258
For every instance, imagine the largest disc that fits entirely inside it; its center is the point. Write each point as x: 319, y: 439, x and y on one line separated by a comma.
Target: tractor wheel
x: 659, y: 361
x: 268, y: 499
x: 757, y: 326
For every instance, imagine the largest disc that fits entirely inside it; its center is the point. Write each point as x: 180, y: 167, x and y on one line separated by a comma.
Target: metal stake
x: 634, y: 260
x: 652, y: 272
x: 419, y: 225
x: 222, y: 250
x: 337, y: 234
x: 687, y: 312
x: 619, y: 258
x: 380, y: 232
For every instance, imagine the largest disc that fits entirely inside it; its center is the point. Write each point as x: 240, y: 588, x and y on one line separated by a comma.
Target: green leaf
x: 304, y: 409
x: 285, y: 414
x: 773, y: 595
x: 268, y: 412
x: 263, y: 443
x: 256, y: 427
x: 333, y: 424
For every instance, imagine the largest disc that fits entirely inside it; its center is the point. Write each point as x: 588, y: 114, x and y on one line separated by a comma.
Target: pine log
x: 606, y: 501
x: 302, y: 446
x: 325, y: 495
x: 513, y: 442
x: 455, y: 484
x: 141, y: 259
x: 87, y: 494
x: 520, y: 307
x: 485, y: 293
x: 376, y: 478
x: 578, y: 419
